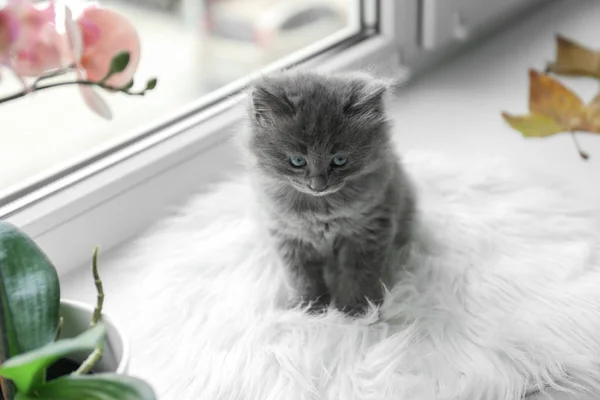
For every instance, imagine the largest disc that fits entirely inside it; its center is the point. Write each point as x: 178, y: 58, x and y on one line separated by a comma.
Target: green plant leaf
x: 23, y: 396
x: 29, y: 294
x: 27, y: 370
x: 119, y: 63
x: 96, y: 387
x: 151, y: 84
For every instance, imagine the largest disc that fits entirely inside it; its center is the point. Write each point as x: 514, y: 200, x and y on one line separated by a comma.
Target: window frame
x: 92, y: 206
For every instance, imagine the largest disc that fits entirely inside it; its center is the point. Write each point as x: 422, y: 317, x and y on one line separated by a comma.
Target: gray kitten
x: 337, y: 201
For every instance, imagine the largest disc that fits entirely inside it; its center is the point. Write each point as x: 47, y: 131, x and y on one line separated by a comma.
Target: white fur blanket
x: 505, y: 298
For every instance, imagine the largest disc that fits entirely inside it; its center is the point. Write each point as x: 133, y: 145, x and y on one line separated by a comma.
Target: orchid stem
x: 59, y: 329
x: 99, y: 289
x: 91, y: 361
x: 51, y: 74
x: 78, y: 82
x: 98, y: 352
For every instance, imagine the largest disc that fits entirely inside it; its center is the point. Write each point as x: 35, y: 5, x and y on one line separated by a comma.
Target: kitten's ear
x: 366, y: 97
x: 270, y: 103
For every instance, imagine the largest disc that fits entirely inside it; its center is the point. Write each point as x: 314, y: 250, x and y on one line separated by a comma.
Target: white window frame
x: 110, y: 201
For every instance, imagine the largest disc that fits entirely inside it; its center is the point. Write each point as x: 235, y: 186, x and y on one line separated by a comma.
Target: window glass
x: 193, y: 47
x: 308, y: 17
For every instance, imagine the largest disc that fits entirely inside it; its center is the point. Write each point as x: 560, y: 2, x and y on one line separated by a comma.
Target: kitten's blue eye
x: 338, y: 161
x: 297, y: 161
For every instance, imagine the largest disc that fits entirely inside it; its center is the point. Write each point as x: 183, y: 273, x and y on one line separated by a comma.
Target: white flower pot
x: 76, y: 320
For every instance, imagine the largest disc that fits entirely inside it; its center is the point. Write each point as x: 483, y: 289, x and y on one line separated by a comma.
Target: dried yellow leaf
x: 573, y: 59
x: 533, y: 125
x: 553, y: 109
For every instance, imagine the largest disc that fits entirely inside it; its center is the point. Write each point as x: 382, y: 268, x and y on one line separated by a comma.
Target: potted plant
x: 52, y: 348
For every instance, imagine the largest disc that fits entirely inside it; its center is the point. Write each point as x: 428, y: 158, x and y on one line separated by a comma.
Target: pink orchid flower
x: 31, y: 46
x: 35, y: 46
x: 105, y: 34
x: 75, y: 39
x: 95, y: 39
x: 9, y: 31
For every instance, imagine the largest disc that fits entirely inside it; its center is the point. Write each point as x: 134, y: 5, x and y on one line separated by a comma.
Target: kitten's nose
x: 318, y: 184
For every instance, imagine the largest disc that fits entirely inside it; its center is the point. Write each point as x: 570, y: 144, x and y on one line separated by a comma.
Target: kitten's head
x: 317, y: 132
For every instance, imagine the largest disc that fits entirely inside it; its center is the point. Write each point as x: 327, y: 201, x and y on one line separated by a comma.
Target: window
x: 73, y: 181
x: 194, y: 47
x: 310, y: 16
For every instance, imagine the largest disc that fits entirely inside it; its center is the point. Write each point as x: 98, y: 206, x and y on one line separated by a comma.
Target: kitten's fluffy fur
x: 339, y: 240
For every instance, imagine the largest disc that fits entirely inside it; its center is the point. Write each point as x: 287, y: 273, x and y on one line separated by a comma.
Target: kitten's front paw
x: 353, y: 310
x: 316, y: 305
x: 357, y: 309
